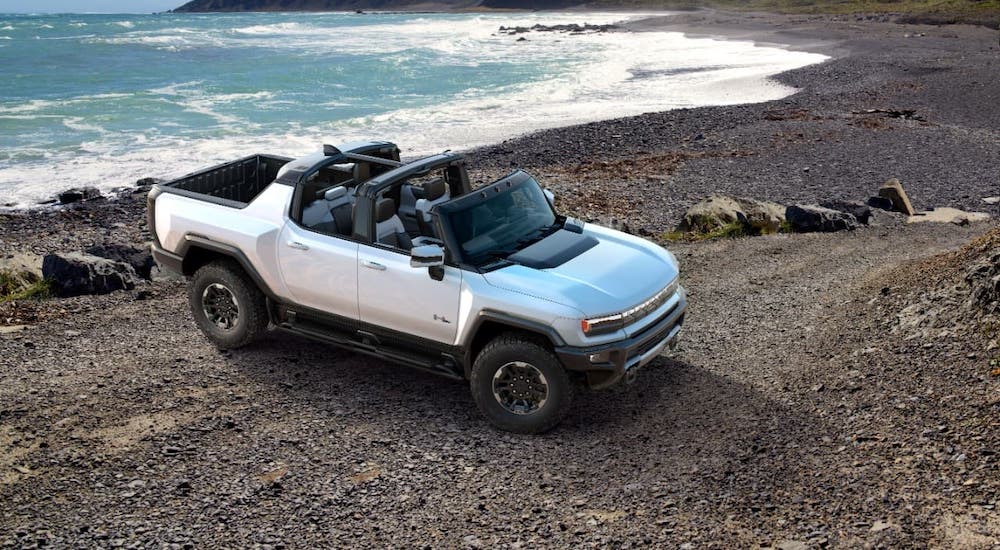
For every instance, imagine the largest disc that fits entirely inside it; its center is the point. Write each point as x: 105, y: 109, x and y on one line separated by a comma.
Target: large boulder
x: 858, y: 209
x: 720, y: 210
x: 79, y: 194
x: 75, y: 274
x: 141, y: 259
x: 808, y: 218
x: 893, y: 190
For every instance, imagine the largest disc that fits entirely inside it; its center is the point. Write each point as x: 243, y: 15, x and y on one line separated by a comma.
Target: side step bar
x: 442, y: 366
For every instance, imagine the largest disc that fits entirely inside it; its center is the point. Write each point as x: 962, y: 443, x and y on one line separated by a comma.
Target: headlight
x: 602, y: 325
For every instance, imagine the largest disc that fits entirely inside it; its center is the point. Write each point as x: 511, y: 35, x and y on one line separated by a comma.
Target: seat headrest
x: 335, y: 193
x: 385, y: 209
x: 435, y: 189
x: 362, y: 172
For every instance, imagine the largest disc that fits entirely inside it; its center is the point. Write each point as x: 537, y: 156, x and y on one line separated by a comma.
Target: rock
x: 75, y: 274
x: 808, y: 218
x: 991, y: 200
x: 146, y: 183
x: 984, y: 279
x: 880, y: 526
x: 79, y: 194
x: 19, y: 272
x: 141, y: 259
x: 472, y: 541
x: 858, y: 209
x: 948, y: 215
x: 893, y: 190
x: 881, y: 203
x: 792, y: 545
x: 721, y: 210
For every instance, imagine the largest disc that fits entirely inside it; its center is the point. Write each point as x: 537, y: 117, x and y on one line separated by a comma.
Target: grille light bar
x: 618, y: 321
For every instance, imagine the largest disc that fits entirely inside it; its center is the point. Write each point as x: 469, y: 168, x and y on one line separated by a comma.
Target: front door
x: 393, y: 295
x: 320, y: 271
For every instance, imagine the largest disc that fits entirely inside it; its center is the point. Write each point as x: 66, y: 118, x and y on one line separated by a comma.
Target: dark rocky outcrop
x: 572, y: 28
x: 858, y: 209
x: 75, y: 274
x: 79, y: 194
x: 809, y: 218
x: 140, y: 259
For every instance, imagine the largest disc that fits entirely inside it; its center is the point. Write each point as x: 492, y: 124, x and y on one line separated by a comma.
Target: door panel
x: 320, y: 271
x: 393, y: 295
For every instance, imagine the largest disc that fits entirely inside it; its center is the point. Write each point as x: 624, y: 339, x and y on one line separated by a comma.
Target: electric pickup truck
x: 409, y: 263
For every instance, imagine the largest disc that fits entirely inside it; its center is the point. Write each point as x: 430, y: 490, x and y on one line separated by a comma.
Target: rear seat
x: 331, y: 213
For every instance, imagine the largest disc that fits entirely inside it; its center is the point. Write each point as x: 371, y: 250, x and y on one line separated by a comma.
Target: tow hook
x: 631, y: 375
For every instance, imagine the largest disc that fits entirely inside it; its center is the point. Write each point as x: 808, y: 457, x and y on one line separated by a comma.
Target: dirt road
x: 119, y: 424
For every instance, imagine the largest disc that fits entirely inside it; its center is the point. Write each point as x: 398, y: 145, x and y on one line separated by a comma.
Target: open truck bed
x: 232, y: 184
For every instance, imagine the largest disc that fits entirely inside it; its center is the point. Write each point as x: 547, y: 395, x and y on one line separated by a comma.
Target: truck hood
x: 618, y: 273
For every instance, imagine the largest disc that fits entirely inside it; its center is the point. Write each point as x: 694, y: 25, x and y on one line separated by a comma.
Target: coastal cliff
x: 347, y: 5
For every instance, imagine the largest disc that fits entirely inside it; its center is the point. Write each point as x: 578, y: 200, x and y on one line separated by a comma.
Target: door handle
x: 297, y: 245
x: 373, y: 265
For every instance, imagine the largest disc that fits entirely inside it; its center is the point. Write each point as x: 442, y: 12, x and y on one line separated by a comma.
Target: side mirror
x: 428, y: 255
x: 550, y: 196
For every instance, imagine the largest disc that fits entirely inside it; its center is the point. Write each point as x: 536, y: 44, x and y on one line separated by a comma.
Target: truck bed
x: 232, y: 184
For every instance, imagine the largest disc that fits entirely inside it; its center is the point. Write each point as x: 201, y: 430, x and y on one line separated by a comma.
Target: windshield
x: 508, y: 219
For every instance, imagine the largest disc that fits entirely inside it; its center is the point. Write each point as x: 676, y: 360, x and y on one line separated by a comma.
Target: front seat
x: 362, y: 172
x: 388, y: 227
x: 435, y: 192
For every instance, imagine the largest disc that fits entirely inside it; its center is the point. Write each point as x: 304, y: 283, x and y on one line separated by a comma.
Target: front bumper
x: 624, y: 356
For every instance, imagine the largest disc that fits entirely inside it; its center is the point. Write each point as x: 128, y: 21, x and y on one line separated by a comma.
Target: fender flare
x: 514, y: 322
x: 195, y: 241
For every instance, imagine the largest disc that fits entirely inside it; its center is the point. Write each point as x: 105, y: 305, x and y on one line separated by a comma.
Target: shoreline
x: 793, y: 149
x: 845, y: 41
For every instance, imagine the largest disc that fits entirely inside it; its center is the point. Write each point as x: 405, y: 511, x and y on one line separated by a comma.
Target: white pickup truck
x: 408, y: 263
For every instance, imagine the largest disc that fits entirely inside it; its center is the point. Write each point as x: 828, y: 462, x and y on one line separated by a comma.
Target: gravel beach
x: 796, y: 413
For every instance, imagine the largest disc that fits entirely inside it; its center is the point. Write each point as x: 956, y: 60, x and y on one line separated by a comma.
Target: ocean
x: 103, y: 100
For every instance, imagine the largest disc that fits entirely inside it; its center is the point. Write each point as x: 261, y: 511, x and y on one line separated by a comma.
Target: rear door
x: 320, y: 271
x: 393, y: 295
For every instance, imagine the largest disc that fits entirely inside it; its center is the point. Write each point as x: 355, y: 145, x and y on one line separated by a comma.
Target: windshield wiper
x: 499, y: 253
x: 538, y: 234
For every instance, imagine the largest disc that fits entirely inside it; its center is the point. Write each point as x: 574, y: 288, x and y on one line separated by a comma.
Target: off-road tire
x: 251, y: 320
x: 511, y: 348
